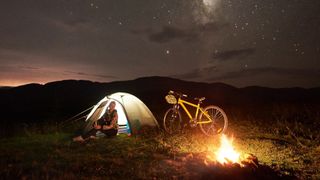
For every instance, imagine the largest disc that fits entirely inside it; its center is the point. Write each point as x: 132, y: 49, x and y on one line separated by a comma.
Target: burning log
x: 227, y: 155
x: 250, y: 161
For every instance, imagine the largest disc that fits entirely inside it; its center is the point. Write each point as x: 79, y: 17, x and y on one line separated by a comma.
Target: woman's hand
x: 105, y: 127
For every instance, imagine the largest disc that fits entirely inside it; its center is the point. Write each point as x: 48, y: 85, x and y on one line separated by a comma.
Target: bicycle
x: 212, y: 119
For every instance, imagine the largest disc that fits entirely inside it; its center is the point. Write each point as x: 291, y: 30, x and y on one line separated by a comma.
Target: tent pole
x: 73, y: 121
x: 70, y: 119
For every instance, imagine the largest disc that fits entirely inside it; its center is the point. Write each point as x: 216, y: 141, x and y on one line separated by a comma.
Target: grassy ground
x: 281, y: 153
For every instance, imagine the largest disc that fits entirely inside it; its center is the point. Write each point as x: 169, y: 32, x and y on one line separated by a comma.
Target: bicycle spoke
x: 219, y: 116
x: 216, y: 113
x: 210, y: 128
x: 218, y: 121
x: 212, y: 114
x: 172, y: 121
x: 213, y: 129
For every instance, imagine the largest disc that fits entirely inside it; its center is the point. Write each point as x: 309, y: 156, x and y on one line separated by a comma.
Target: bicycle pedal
x: 193, y: 124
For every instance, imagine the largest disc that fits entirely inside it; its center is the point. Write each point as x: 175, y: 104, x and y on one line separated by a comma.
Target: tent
x: 133, y: 115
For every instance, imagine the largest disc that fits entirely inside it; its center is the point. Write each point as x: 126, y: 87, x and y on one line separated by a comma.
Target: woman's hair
x: 113, y: 102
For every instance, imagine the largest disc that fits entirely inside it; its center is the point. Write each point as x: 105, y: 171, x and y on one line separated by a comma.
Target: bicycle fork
x: 175, y: 112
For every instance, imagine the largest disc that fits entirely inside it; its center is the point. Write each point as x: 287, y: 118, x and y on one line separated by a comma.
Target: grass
x: 285, y: 146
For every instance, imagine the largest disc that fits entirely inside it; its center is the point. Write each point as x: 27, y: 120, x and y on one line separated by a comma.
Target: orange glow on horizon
x: 15, y: 83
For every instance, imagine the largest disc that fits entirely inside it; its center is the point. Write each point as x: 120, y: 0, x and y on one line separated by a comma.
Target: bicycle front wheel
x: 213, y: 121
x: 172, y: 121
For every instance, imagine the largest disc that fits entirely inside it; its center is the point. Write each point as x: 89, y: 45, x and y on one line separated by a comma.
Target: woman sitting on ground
x: 107, y: 124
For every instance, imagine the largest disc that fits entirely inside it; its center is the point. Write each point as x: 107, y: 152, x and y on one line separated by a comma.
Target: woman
x: 107, y: 124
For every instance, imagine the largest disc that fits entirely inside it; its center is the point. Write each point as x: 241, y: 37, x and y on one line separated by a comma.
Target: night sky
x: 274, y: 43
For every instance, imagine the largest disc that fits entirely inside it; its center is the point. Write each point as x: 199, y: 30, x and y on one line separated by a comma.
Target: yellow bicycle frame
x: 182, y: 102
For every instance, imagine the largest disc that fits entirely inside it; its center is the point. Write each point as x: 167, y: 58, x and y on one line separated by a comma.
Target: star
x: 235, y: 32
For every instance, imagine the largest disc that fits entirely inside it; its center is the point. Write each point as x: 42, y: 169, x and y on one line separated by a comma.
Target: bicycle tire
x: 219, y: 124
x: 172, y: 121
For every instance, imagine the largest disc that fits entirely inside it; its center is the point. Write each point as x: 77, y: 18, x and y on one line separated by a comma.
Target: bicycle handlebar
x: 178, y: 94
x: 184, y: 95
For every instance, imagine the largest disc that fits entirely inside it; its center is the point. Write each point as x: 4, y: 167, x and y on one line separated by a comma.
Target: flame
x: 226, y: 153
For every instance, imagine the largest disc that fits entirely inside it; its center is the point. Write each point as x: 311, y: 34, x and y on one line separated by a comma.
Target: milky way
x: 271, y: 43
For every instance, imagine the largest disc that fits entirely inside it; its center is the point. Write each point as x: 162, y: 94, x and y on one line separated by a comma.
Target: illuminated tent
x: 133, y: 115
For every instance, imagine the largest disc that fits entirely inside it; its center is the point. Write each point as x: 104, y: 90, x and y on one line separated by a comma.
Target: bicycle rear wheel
x: 219, y: 121
x: 172, y: 121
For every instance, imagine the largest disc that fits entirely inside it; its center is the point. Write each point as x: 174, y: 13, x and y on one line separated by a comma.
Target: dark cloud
x: 171, y: 33
x: 142, y: 31
x: 211, y: 27
x: 245, y: 73
x: 18, y: 68
x: 29, y: 67
x: 44, y: 70
x: 74, y: 25
x: 231, y: 54
x: 92, y: 75
x: 196, y: 73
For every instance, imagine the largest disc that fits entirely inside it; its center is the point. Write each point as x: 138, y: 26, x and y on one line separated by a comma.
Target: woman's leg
x: 92, y: 132
x: 110, y: 132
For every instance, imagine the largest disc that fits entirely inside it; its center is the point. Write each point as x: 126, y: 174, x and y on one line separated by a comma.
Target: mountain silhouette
x: 56, y: 101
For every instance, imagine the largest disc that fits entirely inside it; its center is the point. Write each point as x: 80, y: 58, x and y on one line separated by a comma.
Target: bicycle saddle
x: 200, y: 99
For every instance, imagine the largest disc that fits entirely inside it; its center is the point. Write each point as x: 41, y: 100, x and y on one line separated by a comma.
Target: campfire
x: 225, y: 161
x: 227, y: 155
